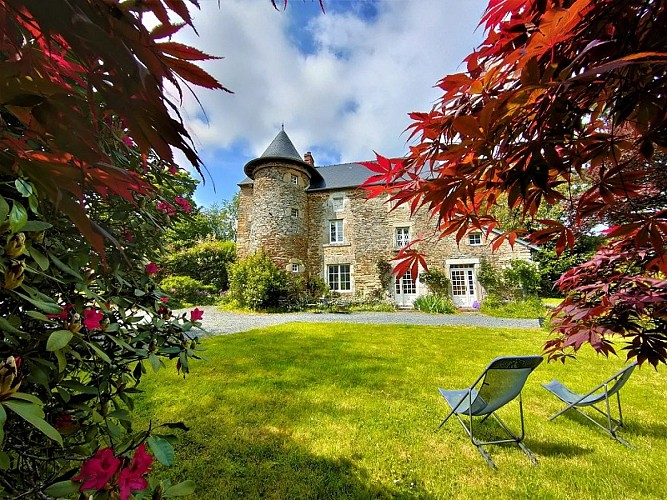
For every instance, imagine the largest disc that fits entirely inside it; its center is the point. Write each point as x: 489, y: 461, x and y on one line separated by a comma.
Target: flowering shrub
x: 87, y: 186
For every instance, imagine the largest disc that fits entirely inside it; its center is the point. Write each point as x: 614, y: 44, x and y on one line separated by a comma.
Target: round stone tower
x: 279, y: 214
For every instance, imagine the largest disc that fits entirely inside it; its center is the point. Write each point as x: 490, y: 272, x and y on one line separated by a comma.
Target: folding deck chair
x: 602, y: 392
x: 500, y: 383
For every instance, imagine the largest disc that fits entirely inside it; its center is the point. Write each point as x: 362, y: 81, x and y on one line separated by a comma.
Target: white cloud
x: 349, y: 96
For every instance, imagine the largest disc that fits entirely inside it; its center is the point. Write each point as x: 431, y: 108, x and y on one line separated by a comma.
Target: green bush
x: 256, y: 282
x: 437, y: 281
x: 206, y: 261
x: 185, y: 291
x: 516, y: 282
x: 434, y: 304
x: 531, y: 307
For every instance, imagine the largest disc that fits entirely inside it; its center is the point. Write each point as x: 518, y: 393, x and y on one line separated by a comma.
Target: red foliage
x: 559, y: 94
x: 83, y: 79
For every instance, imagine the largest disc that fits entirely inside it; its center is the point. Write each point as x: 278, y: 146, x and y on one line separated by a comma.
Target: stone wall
x: 266, y: 221
x: 370, y: 232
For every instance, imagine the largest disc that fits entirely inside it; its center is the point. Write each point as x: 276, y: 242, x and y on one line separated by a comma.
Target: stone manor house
x: 315, y: 220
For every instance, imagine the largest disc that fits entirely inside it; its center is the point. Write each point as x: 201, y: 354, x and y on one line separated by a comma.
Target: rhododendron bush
x: 564, y: 103
x: 87, y: 187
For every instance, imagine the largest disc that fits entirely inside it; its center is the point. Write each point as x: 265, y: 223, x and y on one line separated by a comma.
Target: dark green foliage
x: 256, y: 282
x: 515, y: 282
x: 437, y: 281
x: 552, y: 266
x: 206, y: 261
x: 186, y: 291
x: 217, y: 222
x: 384, y: 273
x: 434, y: 303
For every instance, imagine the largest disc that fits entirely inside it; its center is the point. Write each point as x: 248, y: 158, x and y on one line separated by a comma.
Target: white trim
x: 449, y: 262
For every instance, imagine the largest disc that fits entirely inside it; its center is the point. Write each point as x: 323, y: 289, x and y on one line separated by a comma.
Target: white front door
x: 463, y: 284
x: 405, y: 290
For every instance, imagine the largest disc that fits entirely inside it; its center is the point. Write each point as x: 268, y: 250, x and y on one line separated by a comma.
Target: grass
x: 349, y: 411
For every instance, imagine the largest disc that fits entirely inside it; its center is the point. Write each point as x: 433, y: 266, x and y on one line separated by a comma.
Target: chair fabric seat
x: 454, y: 397
x: 569, y: 397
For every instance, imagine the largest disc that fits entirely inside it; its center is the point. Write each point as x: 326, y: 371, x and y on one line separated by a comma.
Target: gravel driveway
x: 216, y: 322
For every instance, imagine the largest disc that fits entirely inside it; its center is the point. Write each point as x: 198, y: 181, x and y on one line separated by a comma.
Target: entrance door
x: 463, y: 284
x: 405, y: 290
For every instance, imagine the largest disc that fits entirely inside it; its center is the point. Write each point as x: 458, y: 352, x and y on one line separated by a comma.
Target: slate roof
x: 343, y: 176
x: 281, y: 148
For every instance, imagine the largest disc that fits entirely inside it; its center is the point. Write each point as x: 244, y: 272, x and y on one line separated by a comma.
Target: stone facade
x: 299, y: 225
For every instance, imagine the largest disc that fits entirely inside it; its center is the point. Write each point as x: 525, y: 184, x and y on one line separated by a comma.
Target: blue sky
x: 343, y: 82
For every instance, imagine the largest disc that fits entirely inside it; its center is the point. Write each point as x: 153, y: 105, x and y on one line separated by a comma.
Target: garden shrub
x: 186, y: 291
x: 432, y: 303
x: 437, y: 281
x: 206, y: 261
x: 257, y: 282
x: 518, y: 281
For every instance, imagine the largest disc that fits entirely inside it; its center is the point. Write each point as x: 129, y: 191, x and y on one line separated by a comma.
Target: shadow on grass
x: 556, y: 449
x: 267, y: 463
x: 630, y: 426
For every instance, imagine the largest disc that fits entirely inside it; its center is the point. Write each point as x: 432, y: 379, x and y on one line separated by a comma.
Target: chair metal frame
x: 472, y: 395
x: 616, y: 381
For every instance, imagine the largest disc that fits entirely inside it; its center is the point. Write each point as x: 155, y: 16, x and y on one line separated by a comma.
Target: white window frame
x: 339, y: 277
x: 294, y: 179
x: 336, y: 231
x: 295, y: 268
x: 338, y: 202
x: 401, y: 236
x: 294, y: 212
x: 475, y: 239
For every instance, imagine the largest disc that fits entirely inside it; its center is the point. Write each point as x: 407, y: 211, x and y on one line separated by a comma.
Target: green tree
x: 217, y: 221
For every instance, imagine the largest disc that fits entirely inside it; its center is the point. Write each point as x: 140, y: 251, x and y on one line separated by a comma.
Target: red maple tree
x: 560, y: 93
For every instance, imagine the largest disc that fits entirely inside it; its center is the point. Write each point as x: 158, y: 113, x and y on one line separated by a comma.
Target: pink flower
x: 92, y: 318
x: 166, y: 208
x: 196, y: 314
x: 98, y: 470
x: 164, y: 300
x: 131, y: 478
x: 183, y: 203
x: 151, y: 268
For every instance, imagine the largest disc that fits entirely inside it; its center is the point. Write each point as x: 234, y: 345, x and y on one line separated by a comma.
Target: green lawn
x: 349, y: 411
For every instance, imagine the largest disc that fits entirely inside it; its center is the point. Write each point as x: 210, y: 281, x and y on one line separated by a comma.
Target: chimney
x: 308, y: 158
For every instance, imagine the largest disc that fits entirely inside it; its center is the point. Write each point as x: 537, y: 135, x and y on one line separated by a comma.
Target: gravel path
x: 216, y: 322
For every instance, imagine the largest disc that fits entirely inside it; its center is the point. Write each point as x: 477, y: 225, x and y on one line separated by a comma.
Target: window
x: 295, y: 268
x: 336, y: 231
x: 406, y: 285
x: 337, y: 202
x: 475, y: 239
x: 295, y: 212
x: 339, y: 277
x: 402, y: 237
x: 294, y: 179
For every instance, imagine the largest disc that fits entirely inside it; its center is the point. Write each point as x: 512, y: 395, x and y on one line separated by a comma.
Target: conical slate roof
x: 281, y: 148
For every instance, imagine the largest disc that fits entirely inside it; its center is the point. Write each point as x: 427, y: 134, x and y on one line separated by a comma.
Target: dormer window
x: 337, y: 202
x: 295, y: 212
x: 475, y: 239
x: 294, y: 179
